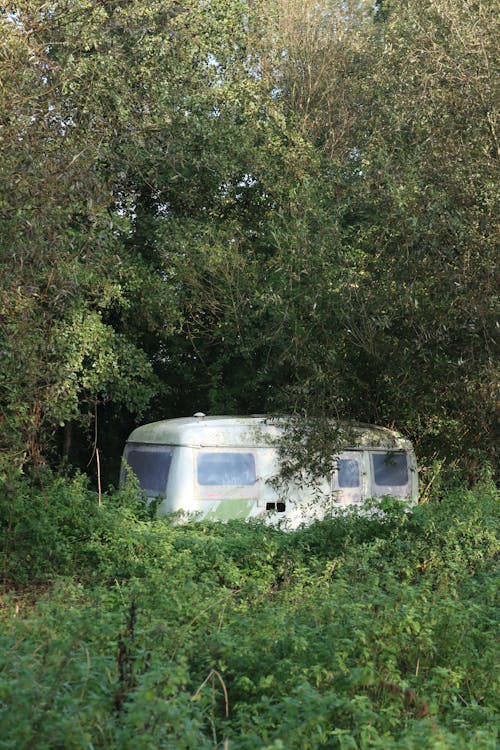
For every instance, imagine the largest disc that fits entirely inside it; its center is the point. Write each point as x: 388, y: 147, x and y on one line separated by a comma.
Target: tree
x: 401, y: 107
x: 250, y: 206
x: 76, y: 92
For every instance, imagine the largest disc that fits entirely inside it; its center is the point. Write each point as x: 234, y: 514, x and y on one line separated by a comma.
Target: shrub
x: 361, y: 631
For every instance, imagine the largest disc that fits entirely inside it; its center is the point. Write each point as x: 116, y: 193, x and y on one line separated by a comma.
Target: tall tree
x: 403, y: 107
x: 250, y: 206
x: 85, y: 90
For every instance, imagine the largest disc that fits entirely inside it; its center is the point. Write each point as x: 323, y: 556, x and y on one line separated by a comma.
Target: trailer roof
x: 253, y: 431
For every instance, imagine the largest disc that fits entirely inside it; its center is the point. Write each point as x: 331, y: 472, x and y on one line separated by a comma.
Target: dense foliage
x: 247, y: 207
x: 362, y: 631
x: 285, y: 206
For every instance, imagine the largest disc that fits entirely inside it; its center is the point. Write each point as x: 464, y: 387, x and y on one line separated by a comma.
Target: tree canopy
x: 285, y: 206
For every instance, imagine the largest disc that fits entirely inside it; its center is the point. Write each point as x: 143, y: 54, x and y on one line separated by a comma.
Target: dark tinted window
x: 390, y: 469
x: 348, y: 469
x: 226, y: 469
x: 151, y: 465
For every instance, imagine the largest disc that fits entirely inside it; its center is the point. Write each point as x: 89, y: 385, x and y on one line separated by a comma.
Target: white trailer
x: 221, y: 468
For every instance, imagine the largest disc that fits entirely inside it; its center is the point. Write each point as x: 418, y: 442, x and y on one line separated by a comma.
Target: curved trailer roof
x: 255, y: 431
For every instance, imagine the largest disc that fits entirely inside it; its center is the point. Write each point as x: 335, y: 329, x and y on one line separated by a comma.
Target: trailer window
x: 348, y: 471
x: 150, y: 464
x: 218, y: 469
x: 390, y: 469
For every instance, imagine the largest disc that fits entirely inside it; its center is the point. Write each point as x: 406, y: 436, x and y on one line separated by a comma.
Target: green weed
x: 361, y: 631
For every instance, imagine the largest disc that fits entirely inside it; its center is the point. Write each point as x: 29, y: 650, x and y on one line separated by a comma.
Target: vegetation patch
x: 360, y: 631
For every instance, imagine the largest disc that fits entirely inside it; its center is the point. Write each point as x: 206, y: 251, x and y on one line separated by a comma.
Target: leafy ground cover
x: 358, y: 632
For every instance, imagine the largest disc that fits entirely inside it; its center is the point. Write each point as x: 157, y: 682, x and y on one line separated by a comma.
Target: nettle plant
x: 357, y: 631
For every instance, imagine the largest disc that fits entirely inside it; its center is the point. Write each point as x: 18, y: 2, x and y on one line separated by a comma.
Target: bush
x: 361, y: 631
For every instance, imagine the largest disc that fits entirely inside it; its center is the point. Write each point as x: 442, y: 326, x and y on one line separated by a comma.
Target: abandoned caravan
x: 219, y: 468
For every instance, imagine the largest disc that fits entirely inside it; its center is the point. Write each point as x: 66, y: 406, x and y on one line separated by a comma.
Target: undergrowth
x: 360, y: 631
